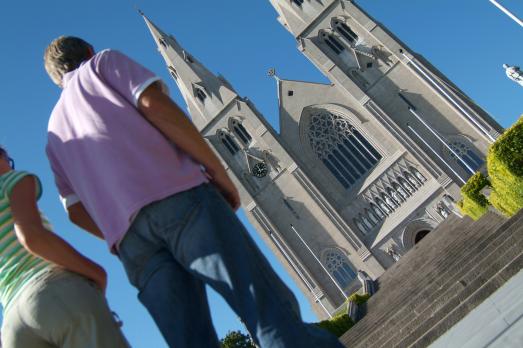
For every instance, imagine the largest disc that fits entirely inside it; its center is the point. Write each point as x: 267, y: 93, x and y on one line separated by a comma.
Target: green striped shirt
x: 17, y: 265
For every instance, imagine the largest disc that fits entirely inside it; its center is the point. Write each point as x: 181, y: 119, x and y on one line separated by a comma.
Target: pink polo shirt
x: 104, y: 153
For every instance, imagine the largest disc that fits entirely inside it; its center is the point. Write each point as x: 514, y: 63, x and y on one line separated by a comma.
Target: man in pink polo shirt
x: 132, y: 169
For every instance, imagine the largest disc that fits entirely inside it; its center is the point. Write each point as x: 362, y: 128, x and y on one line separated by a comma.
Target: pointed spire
x: 205, y: 93
x: 297, y: 15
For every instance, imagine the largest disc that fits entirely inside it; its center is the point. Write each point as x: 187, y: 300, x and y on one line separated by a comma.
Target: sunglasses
x: 11, y: 162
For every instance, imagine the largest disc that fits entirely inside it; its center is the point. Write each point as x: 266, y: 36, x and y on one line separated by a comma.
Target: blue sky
x: 467, y: 40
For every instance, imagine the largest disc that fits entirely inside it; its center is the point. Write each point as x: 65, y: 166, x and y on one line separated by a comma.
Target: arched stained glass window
x: 341, y: 147
x: 466, y: 154
x: 333, y: 42
x: 344, y: 30
x: 240, y: 131
x: 338, y: 266
x: 228, y: 142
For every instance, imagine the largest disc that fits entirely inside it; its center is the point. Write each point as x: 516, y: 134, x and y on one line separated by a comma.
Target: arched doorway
x: 420, y: 235
x: 416, y: 230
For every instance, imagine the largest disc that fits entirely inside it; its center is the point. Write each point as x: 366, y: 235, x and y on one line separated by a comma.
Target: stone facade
x: 361, y: 167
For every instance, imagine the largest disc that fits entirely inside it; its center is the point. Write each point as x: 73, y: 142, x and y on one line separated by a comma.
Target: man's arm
x: 167, y: 117
x: 43, y: 243
x: 81, y: 218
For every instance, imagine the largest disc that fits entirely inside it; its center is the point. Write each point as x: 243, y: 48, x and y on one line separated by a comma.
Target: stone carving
x: 393, y: 253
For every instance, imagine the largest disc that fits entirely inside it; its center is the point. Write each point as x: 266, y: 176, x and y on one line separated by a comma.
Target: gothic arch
x: 335, y: 136
x: 414, y: 227
x: 339, y: 266
x: 237, y: 127
x: 470, y: 159
x: 228, y: 141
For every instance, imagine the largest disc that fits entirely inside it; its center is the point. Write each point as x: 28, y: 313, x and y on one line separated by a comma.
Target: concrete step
x: 447, y: 268
x: 447, y: 241
x: 396, y: 297
x: 419, y: 298
x: 471, y: 303
x: 458, y: 292
x: 455, y: 274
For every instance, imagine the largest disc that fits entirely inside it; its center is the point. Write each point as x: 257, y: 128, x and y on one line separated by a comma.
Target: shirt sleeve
x: 14, y: 178
x: 124, y: 75
x: 67, y: 195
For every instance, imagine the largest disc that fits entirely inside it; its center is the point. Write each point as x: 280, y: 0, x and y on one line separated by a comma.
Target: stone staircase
x: 451, y: 271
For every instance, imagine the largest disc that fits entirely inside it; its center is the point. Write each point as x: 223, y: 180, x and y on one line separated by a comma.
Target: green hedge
x: 341, y: 323
x: 474, y: 203
x: 505, y: 167
x: 337, y: 325
x: 358, y: 299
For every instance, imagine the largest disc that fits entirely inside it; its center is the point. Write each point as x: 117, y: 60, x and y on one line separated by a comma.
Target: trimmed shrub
x: 341, y: 323
x: 505, y: 167
x: 358, y: 298
x: 337, y: 325
x: 474, y: 203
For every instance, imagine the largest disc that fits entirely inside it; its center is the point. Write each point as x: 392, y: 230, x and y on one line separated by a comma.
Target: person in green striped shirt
x: 52, y: 296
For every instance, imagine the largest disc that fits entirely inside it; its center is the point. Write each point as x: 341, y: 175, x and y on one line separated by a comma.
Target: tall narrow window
x: 406, y: 185
x: 390, y: 202
x: 200, y: 94
x: 360, y: 226
x: 338, y: 266
x: 342, y: 148
x: 401, y: 191
x: 418, y: 175
x: 162, y: 42
x: 366, y: 221
x: 372, y: 217
x: 383, y: 206
x: 413, y: 181
x: 240, y: 131
x: 229, y: 143
x: 395, y: 195
x: 333, y: 42
x: 377, y: 211
x: 298, y: 2
x: 465, y: 154
x: 344, y: 30
x: 173, y: 72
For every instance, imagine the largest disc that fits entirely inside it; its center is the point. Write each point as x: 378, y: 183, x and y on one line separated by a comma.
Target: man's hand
x: 81, y: 218
x: 99, y: 276
x: 167, y: 117
x: 226, y: 187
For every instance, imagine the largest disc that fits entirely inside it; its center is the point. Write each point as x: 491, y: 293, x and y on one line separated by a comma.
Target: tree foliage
x: 236, y: 339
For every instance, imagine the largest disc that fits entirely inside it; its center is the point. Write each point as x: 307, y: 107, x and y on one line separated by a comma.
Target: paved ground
x: 496, y: 323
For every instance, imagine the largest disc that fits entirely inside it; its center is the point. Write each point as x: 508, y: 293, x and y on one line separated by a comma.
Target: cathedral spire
x: 205, y: 93
x: 296, y: 15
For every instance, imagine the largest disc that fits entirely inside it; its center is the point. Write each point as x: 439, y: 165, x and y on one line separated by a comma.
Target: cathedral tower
x: 428, y: 135
x: 313, y: 241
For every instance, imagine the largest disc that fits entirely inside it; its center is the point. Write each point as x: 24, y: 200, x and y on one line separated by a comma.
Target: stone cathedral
x: 362, y: 169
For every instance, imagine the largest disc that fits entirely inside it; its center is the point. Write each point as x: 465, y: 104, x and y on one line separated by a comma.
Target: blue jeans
x: 178, y: 245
